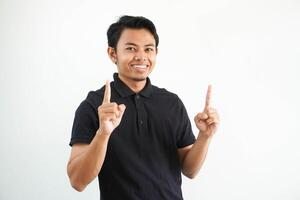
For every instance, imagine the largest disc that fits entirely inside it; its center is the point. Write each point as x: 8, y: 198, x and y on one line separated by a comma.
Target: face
x: 135, y: 55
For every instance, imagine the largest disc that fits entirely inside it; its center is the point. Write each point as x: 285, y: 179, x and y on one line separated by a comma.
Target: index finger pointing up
x: 208, y: 97
x: 107, y: 92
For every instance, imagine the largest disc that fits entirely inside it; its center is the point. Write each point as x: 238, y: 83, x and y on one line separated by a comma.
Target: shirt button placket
x: 138, y: 106
x: 140, y: 121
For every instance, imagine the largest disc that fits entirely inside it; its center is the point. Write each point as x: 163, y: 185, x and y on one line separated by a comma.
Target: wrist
x: 103, y: 133
x: 202, y: 136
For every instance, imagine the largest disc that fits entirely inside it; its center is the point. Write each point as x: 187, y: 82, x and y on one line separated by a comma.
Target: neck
x: 135, y: 85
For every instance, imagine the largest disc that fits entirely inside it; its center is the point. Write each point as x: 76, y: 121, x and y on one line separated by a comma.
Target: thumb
x: 202, y: 116
x: 121, y: 108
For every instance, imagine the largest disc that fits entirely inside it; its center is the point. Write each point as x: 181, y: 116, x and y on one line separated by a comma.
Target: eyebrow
x: 147, y: 45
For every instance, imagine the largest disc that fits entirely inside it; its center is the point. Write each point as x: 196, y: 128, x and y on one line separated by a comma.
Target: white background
x: 53, y: 52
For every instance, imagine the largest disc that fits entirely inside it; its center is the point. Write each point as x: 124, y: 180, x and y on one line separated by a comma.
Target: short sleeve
x: 85, y: 124
x: 185, y: 136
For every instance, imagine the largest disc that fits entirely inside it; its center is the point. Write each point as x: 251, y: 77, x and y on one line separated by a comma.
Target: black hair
x: 135, y: 22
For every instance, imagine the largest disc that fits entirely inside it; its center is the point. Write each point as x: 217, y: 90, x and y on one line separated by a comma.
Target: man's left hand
x: 207, y: 121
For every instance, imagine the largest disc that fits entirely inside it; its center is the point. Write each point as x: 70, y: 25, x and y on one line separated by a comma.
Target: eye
x: 149, y: 50
x: 130, y: 48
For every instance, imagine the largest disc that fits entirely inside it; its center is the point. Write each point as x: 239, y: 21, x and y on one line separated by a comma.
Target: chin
x: 139, y: 79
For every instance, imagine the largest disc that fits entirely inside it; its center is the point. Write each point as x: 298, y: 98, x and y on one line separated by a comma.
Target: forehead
x: 139, y: 37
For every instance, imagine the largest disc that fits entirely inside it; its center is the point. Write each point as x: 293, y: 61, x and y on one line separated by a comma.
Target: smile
x: 140, y: 66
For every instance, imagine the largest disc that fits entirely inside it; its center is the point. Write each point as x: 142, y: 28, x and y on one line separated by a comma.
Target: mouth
x: 139, y: 68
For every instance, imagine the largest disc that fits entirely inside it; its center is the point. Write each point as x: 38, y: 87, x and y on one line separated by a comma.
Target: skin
x: 135, y: 57
x: 135, y: 47
x: 193, y: 156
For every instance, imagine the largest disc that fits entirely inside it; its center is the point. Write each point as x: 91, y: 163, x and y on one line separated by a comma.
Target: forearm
x: 195, y: 158
x: 85, y: 167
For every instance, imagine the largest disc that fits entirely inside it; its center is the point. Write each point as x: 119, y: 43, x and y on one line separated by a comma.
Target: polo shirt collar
x: 125, y: 91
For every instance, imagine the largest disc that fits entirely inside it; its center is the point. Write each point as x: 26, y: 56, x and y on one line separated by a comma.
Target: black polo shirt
x: 141, y: 162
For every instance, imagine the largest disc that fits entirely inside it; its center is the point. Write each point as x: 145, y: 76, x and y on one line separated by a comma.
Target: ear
x: 112, y: 54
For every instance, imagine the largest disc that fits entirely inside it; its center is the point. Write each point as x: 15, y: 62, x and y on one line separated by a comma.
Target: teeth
x: 140, y: 66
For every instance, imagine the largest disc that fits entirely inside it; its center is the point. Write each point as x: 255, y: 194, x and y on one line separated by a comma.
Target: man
x: 134, y: 136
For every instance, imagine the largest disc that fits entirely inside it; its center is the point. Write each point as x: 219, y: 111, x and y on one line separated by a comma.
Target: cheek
x: 124, y: 58
x: 153, y: 59
x: 120, y: 60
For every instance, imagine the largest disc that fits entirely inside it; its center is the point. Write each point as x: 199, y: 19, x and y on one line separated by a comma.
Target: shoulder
x: 93, y: 99
x: 164, y: 94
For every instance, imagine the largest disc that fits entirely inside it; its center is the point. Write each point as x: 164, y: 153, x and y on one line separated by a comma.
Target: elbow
x: 190, y: 176
x: 78, y: 187
x: 76, y: 183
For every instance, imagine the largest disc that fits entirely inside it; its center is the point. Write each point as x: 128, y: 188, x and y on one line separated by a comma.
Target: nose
x: 140, y: 56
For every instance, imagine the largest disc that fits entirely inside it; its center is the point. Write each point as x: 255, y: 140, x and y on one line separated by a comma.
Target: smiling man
x: 135, y: 137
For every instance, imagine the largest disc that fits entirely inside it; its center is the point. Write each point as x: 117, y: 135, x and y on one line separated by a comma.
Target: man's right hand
x: 110, y: 113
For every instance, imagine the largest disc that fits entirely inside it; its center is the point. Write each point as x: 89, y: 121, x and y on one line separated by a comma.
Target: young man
x: 134, y: 136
